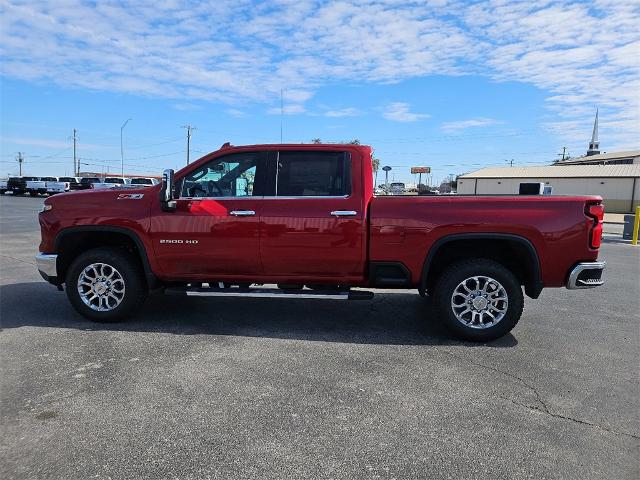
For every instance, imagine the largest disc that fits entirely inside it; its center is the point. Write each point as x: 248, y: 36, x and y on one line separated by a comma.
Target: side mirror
x: 166, y: 191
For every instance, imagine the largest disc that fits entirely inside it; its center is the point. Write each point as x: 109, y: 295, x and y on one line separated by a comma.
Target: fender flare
x: 152, y: 280
x: 532, y: 286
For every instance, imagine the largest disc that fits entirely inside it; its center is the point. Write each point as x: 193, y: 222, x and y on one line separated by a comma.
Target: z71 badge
x: 130, y: 196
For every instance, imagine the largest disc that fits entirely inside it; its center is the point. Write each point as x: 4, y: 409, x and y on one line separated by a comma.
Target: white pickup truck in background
x: 63, y: 184
x: 37, y: 185
x: 111, y: 182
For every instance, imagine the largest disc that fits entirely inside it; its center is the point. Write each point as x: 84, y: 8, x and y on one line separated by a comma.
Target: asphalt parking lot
x: 238, y: 388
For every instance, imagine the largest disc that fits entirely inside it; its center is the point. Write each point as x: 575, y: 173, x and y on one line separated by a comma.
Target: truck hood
x: 98, y: 206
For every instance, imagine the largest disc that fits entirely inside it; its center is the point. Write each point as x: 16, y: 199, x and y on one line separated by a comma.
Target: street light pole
x: 122, y: 149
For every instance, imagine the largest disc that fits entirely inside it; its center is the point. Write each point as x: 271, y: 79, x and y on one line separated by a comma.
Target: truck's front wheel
x: 479, y: 299
x: 105, y: 284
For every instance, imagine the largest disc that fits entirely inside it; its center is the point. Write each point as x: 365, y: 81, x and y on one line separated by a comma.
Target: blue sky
x: 450, y: 84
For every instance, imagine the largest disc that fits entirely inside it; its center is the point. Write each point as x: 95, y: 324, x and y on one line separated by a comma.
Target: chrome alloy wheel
x: 479, y: 302
x: 101, y: 287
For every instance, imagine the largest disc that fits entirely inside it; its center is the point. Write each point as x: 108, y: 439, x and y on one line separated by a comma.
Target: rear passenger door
x: 313, y: 221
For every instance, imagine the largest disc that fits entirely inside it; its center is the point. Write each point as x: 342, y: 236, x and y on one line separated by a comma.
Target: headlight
x: 46, y: 208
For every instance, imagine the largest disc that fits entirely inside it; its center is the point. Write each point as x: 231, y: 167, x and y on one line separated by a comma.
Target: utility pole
x: 189, y: 130
x: 563, y: 154
x: 76, y: 165
x: 122, y: 148
x: 20, y: 160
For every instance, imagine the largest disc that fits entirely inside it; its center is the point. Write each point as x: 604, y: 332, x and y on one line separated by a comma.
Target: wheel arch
x: 72, y: 241
x: 520, y: 254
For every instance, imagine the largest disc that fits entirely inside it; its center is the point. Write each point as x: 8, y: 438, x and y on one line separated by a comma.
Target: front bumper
x: 47, y: 265
x: 586, y: 275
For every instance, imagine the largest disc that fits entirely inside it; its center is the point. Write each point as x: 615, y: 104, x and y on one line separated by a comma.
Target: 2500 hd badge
x: 191, y: 242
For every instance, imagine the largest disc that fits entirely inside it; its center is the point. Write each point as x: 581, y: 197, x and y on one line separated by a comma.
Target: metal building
x: 619, y: 185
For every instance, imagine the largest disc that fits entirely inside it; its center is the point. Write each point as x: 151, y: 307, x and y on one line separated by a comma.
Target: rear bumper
x: 47, y: 265
x: 586, y: 275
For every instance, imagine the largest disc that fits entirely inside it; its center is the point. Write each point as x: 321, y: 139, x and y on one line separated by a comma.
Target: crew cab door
x: 214, y: 231
x: 314, y: 218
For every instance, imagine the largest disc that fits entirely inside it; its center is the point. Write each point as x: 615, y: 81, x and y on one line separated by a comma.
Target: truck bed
x: 403, y: 228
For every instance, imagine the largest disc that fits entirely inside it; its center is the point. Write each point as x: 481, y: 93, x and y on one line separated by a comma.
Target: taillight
x: 596, y: 212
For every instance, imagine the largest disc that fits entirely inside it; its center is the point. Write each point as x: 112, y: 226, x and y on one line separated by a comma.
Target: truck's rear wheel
x: 105, y: 284
x: 479, y: 299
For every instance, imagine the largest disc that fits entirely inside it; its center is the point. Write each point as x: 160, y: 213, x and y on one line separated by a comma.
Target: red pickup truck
x: 304, y: 218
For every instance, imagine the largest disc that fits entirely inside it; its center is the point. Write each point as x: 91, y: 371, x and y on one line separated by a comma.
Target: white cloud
x: 293, y: 109
x: 343, y: 112
x: 186, y: 106
x: 471, y: 123
x: 238, y: 52
x: 400, y: 112
x: 234, y: 112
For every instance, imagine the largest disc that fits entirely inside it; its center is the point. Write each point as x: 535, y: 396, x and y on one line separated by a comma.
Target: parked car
x: 304, y: 217
x: 144, y: 181
x: 35, y: 186
x: 397, y: 188
x: 63, y: 184
x: 110, y: 182
x: 17, y: 185
x: 87, y: 182
x: 73, y: 183
x: 3, y: 186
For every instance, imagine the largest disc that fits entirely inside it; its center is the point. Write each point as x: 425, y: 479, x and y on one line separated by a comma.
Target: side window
x: 313, y: 174
x: 229, y: 176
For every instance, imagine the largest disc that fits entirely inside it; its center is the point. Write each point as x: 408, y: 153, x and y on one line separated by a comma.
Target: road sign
x: 386, y: 168
x: 420, y: 169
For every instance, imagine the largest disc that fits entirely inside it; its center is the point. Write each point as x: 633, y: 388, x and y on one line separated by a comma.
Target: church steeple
x: 594, y: 144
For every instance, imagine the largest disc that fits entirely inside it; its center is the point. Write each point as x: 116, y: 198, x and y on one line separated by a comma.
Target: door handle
x: 242, y: 213
x: 344, y: 213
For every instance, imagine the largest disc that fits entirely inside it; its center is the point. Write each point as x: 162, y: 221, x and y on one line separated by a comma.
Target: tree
x: 316, y: 140
x: 375, y: 163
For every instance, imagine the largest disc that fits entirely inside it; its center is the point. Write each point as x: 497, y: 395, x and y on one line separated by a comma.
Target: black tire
x: 128, y: 267
x: 455, y: 275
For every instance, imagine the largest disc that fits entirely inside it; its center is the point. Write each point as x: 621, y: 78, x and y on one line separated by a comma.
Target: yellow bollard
x: 636, y: 225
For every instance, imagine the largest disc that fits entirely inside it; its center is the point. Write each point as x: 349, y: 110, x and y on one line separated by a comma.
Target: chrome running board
x: 270, y: 293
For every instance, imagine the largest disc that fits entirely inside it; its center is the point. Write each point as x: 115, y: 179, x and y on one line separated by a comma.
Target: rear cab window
x: 313, y: 174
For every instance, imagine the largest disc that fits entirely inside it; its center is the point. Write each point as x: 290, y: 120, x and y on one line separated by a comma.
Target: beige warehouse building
x: 618, y: 185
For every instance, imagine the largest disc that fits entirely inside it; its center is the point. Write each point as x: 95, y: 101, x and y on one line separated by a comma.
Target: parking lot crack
x: 17, y: 259
x: 542, y: 407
